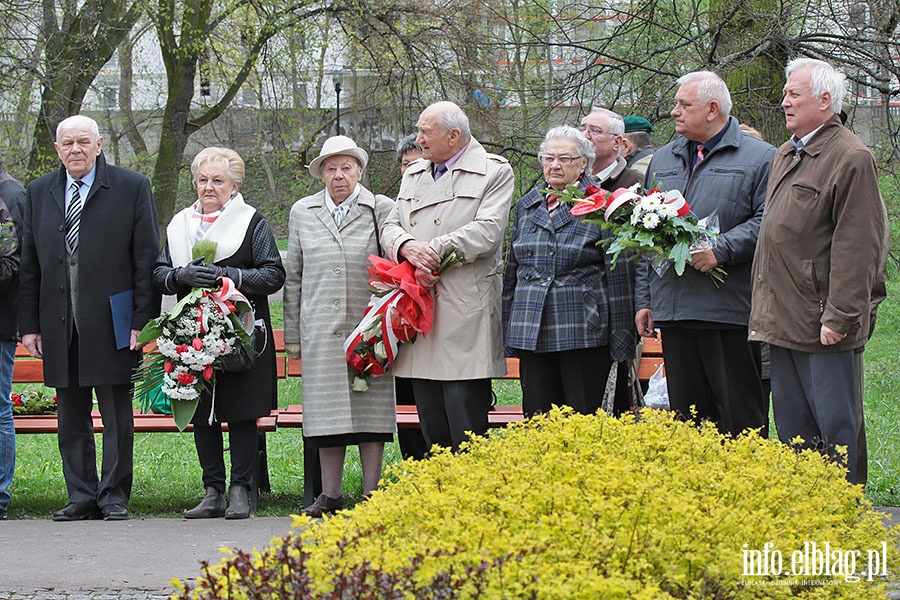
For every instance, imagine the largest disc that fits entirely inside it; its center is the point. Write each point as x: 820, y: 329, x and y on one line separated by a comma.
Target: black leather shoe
x: 77, y: 512
x: 238, y: 503
x: 3, y: 515
x: 114, y: 512
x: 212, y: 506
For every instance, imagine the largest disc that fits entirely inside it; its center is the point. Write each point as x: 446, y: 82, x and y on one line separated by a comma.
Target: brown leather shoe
x: 324, y: 505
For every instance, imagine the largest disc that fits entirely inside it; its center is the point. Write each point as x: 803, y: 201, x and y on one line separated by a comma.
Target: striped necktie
x: 552, y: 202
x: 73, y: 217
x: 700, y: 157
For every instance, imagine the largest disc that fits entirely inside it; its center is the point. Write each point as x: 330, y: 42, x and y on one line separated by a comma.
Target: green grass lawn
x: 167, y: 474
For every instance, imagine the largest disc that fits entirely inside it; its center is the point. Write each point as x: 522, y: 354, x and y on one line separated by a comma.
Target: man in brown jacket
x: 816, y: 264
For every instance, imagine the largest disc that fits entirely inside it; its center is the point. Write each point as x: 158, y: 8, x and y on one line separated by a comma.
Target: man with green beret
x: 636, y: 146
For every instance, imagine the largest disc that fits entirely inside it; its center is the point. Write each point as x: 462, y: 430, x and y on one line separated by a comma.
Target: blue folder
x: 122, y: 307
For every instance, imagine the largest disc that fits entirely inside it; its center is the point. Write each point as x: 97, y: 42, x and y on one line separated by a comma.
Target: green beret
x: 633, y: 123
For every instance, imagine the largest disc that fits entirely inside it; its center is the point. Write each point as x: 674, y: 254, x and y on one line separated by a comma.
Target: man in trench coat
x: 458, y: 198
x: 90, y: 241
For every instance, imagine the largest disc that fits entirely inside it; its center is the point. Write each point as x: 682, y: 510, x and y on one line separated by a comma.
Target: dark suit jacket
x: 118, y: 242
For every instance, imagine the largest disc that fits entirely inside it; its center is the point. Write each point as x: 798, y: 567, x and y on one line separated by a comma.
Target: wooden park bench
x: 29, y: 370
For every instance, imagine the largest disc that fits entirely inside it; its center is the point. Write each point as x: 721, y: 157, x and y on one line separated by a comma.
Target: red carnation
x: 591, y: 189
x: 181, y: 348
x: 186, y: 379
x: 16, y: 399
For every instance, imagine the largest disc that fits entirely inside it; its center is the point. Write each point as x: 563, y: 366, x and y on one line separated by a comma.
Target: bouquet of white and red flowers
x: 193, y: 340
x: 399, y: 310
x: 655, y: 223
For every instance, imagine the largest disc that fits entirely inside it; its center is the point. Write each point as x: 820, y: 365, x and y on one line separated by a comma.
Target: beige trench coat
x: 466, y: 209
x: 325, y: 294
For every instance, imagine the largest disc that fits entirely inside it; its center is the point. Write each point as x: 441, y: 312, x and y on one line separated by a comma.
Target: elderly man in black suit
x: 90, y: 241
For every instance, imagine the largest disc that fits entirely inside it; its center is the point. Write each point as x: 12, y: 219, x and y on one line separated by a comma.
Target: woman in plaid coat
x: 567, y: 314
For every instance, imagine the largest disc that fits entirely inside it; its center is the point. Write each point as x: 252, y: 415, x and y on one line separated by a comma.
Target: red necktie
x: 699, y: 160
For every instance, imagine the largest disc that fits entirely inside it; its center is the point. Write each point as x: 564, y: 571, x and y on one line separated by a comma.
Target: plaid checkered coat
x: 560, y: 291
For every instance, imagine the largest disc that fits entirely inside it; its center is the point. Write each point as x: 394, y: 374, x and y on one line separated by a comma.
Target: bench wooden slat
x: 648, y: 366
x: 28, y: 371
x: 407, y: 416
x: 143, y: 423
x: 652, y: 346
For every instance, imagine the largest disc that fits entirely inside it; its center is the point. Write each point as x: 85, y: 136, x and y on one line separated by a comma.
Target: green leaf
x: 204, y: 249
x: 183, y: 411
x: 152, y: 330
x: 680, y: 254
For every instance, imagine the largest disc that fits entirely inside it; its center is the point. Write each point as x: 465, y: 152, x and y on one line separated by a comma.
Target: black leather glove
x: 195, y: 274
x: 230, y: 272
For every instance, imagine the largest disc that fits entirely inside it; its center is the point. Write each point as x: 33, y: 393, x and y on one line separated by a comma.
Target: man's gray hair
x: 711, y: 87
x: 614, y: 122
x: 407, y: 144
x: 78, y: 121
x: 584, y: 145
x: 453, y: 117
x: 823, y: 77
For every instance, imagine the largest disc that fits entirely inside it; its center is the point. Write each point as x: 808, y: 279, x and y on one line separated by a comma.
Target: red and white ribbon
x: 225, y: 299
x: 618, y: 198
x: 677, y: 201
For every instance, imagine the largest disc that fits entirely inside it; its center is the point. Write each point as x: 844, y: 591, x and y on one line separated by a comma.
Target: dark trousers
x: 814, y: 396
x: 244, y: 446
x: 312, y: 470
x: 575, y: 378
x: 862, y: 463
x: 449, y: 409
x: 717, y: 371
x: 76, y: 439
x: 412, y: 442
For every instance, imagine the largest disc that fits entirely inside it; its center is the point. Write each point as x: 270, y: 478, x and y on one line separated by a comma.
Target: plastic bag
x: 705, y: 241
x: 657, y: 395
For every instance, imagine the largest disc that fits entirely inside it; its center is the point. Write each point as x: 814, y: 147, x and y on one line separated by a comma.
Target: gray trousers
x: 814, y: 396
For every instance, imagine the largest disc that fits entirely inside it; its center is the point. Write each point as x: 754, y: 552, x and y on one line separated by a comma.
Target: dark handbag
x: 243, y: 358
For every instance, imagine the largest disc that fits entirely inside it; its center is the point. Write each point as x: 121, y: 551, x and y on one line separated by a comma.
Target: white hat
x: 335, y: 146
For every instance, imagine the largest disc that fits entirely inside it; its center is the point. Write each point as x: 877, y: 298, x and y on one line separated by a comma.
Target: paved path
x: 134, y: 560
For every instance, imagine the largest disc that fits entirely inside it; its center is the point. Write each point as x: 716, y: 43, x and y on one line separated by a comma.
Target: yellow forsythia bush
x: 574, y: 506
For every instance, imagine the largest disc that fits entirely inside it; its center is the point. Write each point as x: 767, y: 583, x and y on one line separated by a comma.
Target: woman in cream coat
x: 325, y: 295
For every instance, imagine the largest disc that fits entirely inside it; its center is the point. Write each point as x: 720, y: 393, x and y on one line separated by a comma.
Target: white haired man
x: 710, y: 365
x: 458, y: 198
x: 818, y: 260
x: 90, y: 241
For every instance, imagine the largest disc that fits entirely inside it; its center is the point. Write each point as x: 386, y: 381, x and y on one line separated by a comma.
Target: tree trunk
x: 74, y: 54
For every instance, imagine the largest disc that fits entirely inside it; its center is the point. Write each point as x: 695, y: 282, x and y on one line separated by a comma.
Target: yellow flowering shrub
x: 575, y: 506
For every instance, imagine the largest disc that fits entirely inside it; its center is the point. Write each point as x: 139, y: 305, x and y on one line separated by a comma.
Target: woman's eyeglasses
x: 549, y: 159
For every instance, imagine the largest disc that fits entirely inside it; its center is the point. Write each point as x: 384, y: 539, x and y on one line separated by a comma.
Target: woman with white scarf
x: 245, y: 252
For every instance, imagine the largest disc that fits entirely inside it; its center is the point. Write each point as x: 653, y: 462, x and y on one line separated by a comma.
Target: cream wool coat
x: 325, y: 294
x: 466, y: 209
